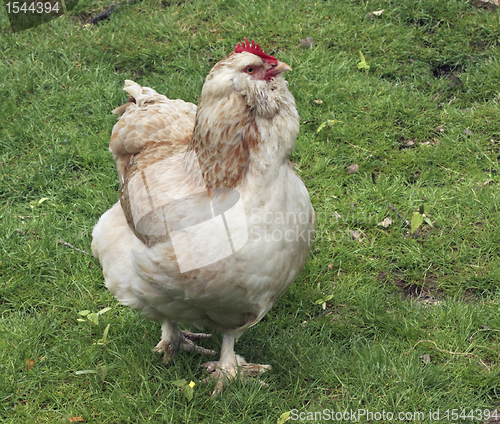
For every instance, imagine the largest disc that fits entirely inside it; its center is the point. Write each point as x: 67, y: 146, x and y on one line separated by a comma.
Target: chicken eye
x: 250, y: 70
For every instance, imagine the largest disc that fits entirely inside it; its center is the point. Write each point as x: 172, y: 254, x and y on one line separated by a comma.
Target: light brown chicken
x: 213, y: 223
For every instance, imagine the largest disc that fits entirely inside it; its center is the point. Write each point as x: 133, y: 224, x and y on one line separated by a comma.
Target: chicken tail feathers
x: 137, y: 95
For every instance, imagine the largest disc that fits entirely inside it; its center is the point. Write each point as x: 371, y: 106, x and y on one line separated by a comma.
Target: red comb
x: 254, y: 49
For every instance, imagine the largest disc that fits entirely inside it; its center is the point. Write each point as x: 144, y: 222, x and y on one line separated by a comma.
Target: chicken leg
x: 173, y: 339
x: 230, y: 365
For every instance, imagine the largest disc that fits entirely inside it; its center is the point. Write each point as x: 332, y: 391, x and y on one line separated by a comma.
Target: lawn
x: 384, y: 318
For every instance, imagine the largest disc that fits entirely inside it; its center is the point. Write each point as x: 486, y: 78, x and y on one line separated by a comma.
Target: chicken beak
x: 278, y: 68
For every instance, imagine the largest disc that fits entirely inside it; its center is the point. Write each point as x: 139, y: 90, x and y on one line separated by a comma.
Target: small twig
x: 73, y: 247
x: 392, y: 208
x: 29, y: 216
x: 441, y: 350
x: 105, y: 14
x: 448, y: 169
x: 483, y: 329
x: 486, y: 366
x: 472, y: 355
x: 359, y: 147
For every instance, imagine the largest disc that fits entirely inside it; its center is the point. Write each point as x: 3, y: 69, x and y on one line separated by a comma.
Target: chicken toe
x: 187, y: 343
x: 173, y: 339
x: 223, y: 374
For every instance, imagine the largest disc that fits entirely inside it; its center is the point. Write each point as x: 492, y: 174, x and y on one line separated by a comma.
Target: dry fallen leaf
x: 486, y: 4
x: 75, y: 419
x: 386, y: 222
x: 318, y: 102
x: 440, y: 128
x: 330, y: 266
x: 454, y: 80
x: 430, y: 143
x: 426, y: 359
x: 30, y: 363
x: 357, y: 235
x: 467, y: 131
x: 352, y: 169
x: 307, y: 42
x: 408, y: 143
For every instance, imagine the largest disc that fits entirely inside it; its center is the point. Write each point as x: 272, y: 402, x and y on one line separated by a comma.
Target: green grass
x: 397, y: 297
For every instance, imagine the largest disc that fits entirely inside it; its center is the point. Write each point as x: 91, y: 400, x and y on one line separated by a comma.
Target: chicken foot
x: 173, y: 339
x: 231, y: 366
